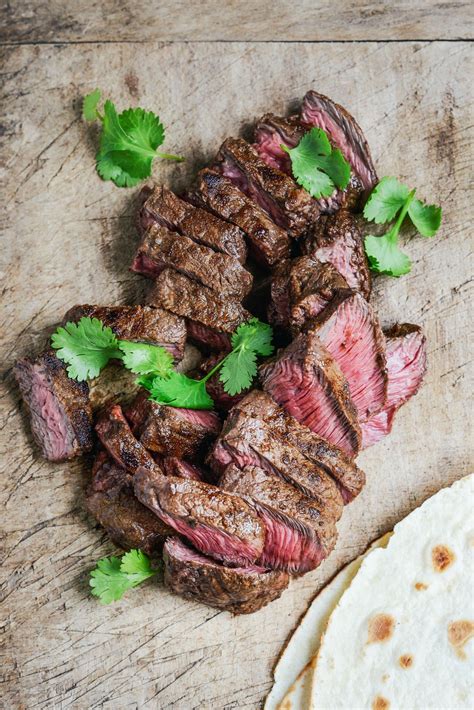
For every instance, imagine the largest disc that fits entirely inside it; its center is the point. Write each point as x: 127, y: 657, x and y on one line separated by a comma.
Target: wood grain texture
x: 68, y: 237
x: 234, y: 20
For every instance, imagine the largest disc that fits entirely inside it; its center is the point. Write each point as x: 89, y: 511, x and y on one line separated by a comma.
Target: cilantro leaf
x: 108, y: 170
x: 385, y: 256
x: 317, y: 166
x: 388, y: 196
x: 426, y: 218
x: 238, y: 370
x: 113, y: 576
x: 178, y: 390
x: 143, y: 359
x: 254, y: 335
x: 89, y: 105
x: 86, y: 346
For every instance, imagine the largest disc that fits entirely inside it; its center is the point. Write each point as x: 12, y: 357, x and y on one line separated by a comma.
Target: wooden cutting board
x: 69, y: 237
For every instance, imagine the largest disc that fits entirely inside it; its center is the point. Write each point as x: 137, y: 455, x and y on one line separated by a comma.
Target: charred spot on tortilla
x: 442, y: 557
x: 380, y: 628
x: 459, y: 633
x: 406, y: 660
x: 380, y: 703
x: 420, y: 586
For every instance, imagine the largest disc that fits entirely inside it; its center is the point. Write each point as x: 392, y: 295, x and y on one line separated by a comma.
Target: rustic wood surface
x: 68, y: 237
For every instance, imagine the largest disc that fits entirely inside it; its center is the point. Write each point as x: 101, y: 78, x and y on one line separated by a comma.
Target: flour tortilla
x: 292, y: 674
x: 402, y: 634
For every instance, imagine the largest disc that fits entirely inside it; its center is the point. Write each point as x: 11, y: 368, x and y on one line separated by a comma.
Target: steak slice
x: 306, y: 381
x: 406, y: 366
x: 273, y: 131
x: 337, y: 240
x: 301, y: 289
x: 173, y: 466
x: 350, y: 331
x: 198, y: 304
x: 288, y: 205
x: 349, y: 478
x: 218, y: 524
x: 240, y: 590
x: 111, y: 501
x: 59, y: 407
x: 249, y: 441
x: 140, y: 324
x: 160, y: 248
x: 268, y: 242
x: 116, y: 436
x: 164, y: 207
x: 298, y: 536
x: 344, y: 131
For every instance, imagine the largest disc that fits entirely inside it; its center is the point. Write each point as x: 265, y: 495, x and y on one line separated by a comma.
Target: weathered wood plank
x: 280, y: 20
x: 69, y: 238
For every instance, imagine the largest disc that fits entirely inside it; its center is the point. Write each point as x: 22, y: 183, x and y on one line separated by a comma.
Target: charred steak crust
x: 116, y: 436
x: 307, y: 382
x: 164, y: 207
x: 288, y: 205
x: 338, y: 240
x: 111, y: 501
x: 268, y: 242
x: 141, y: 324
x: 59, y: 407
x: 347, y: 475
x: 217, y: 523
x: 160, y: 248
x: 237, y: 590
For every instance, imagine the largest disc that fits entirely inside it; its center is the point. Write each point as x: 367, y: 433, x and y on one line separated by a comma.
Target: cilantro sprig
x: 113, y: 576
x: 317, y: 166
x: 128, y: 142
x: 87, y: 346
x: 389, y: 198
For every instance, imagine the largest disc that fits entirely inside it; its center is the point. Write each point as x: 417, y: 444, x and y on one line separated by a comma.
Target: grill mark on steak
x: 160, y: 248
x: 237, y: 590
x: 268, y: 242
x: 406, y: 366
x: 349, y: 478
x: 116, y: 436
x: 350, y: 331
x: 306, y: 381
x: 297, y: 536
x: 164, y: 207
x: 338, y: 240
x: 141, y: 324
x: 59, y: 408
x: 289, y: 206
x: 218, y: 524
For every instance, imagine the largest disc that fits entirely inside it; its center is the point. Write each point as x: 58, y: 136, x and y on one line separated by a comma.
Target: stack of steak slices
x: 238, y: 501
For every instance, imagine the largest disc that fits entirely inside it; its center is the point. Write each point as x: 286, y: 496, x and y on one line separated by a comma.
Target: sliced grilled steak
x: 116, y: 436
x: 349, y: 478
x: 301, y: 289
x: 111, y: 500
x: 298, y: 535
x: 406, y: 366
x: 350, y: 331
x: 268, y: 242
x: 160, y: 248
x: 163, y: 207
x: 173, y: 466
x: 217, y: 523
x: 249, y: 441
x: 309, y: 384
x: 240, y: 590
x: 337, y: 240
x: 289, y: 206
x: 318, y: 110
x: 59, y: 407
x: 273, y: 131
x: 199, y: 305
x: 138, y: 323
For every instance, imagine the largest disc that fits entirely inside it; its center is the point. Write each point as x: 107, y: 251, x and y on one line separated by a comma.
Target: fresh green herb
x: 178, y: 390
x: 86, y: 346
x: 387, y: 199
x: 128, y: 142
x: 113, y: 576
x: 146, y: 359
x: 317, y: 166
